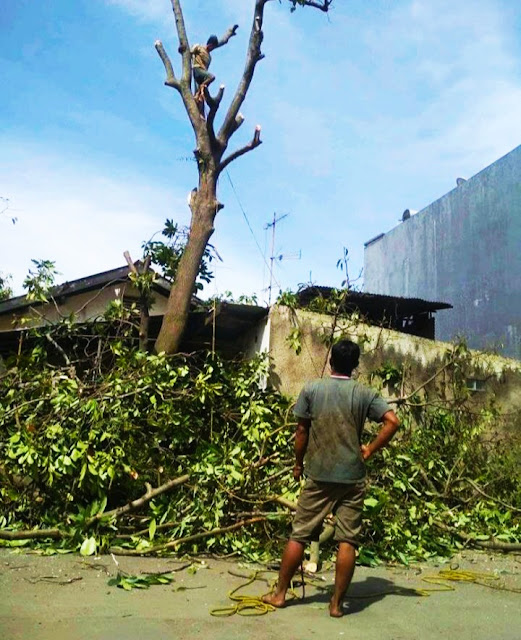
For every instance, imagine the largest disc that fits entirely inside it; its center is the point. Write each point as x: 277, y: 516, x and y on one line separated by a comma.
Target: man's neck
x: 334, y: 374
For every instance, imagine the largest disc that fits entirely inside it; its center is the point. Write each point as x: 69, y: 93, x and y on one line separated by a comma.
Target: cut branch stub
x: 255, y: 142
x: 171, y: 80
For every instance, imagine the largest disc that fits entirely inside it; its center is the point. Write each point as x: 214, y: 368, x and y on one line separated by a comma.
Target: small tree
x: 211, y: 156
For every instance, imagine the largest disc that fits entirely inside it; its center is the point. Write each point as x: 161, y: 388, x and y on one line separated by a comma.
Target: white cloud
x: 452, y: 77
x: 77, y: 213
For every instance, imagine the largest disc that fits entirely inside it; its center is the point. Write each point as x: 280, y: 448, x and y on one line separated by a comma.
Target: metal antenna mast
x: 273, y: 224
x: 274, y: 257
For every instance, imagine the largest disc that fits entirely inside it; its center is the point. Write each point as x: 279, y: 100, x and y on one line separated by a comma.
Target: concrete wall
x: 464, y: 249
x: 421, y: 358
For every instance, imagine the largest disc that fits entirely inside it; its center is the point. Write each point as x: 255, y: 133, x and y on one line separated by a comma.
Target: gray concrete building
x: 464, y: 249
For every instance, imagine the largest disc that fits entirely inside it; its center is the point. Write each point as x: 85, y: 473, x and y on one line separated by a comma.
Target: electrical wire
x: 249, y: 226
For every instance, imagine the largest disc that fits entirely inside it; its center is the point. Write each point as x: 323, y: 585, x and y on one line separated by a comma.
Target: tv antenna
x: 288, y: 256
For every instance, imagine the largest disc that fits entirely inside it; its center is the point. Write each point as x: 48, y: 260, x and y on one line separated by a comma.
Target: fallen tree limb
x: 144, y: 532
x: 492, y: 543
x: 175, y: 543
x: 477, y: 488
x: 403, y: 399
x: 135, y: 504
x: 139, y: 502
x: 34, y: 534
x: 284, y: 502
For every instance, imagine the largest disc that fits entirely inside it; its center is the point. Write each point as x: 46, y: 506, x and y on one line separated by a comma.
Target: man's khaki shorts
x: 319, y: 499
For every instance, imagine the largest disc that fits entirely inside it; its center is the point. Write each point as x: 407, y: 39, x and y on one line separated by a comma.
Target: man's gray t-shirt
x: 338, y: 408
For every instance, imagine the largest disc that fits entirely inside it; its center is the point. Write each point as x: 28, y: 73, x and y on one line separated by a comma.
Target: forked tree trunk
x: 210, y: 156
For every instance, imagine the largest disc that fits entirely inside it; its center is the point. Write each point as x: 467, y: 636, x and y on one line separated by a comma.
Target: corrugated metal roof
x: 373, y: 303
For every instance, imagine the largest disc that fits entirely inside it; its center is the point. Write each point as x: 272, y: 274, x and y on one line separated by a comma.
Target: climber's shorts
x: 201, y: 75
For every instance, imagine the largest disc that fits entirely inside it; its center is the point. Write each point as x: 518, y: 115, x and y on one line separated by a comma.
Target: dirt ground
x: 67, y: 597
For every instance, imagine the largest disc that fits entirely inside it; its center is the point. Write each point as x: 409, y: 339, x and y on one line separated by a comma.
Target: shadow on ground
x: 361, y: 594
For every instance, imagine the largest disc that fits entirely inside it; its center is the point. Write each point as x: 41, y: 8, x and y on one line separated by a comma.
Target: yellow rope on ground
x: 254, y: 606
x: 248, y: 605
x: 460, y: 575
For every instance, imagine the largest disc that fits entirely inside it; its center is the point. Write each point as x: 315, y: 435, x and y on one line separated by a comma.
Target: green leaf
x: 88, y: 547
x: 152, y: 529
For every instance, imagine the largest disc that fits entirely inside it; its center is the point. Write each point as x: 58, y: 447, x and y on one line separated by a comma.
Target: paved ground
x: 87, y: 608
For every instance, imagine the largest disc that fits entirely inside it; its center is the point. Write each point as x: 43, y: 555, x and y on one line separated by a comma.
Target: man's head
x: 345, y: 356
x: 212, y: 43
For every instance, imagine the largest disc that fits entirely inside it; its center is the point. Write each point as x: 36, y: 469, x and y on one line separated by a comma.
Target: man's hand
x: 389, y: 428
x: 298, y: 470
x: 234, y: 29
x: 365, y: 451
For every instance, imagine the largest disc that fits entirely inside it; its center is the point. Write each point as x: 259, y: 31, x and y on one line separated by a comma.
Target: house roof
x: 375, y: 304
x: 82, y: 285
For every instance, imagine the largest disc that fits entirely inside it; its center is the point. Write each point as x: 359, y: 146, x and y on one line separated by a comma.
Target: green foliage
x: 423, y: 486
x: 6, y: 291
x: 81, y: 437
x: 77, y: 440
x: 294, y: 340
x: 39, y: 280
x: 166, y: 254
x: 389, y: 373
x: 242, y: 299
x: 288, y: 299
x: 126, y: 582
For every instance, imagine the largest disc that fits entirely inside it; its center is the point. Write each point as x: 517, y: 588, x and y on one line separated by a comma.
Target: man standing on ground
x: 331, y: 413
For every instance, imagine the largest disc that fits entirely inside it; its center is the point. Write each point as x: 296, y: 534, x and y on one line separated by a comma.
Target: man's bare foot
x: 276, y: 599
x: 335, y: 610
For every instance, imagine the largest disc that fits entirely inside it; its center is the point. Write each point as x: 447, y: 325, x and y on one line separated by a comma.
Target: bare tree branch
x: 488, y: 496
x: 213, y: 104
x: 232, y: 31
x: 116, y: 513
x: 492, y: 543
x: 253, y: 56
x: 255, y: 142
x: 198, y: 123
x: 32, y: 535
x: 139, y: 502
x: 403, y: 400
x: 197, y: 536
x: 184, y: 46
x: 171, y: 80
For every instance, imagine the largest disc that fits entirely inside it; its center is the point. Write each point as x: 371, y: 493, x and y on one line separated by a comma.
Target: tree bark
x: 204, y: 207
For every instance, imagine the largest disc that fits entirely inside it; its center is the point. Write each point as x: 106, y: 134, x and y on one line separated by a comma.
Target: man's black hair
x: 345, y: 356
x: 213, y: 40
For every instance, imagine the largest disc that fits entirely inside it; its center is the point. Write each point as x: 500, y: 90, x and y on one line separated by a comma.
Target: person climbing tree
x: 201, y: 60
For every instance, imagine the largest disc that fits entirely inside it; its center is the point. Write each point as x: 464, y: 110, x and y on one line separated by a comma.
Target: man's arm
x: 301, y: 444
x: 390, y: 426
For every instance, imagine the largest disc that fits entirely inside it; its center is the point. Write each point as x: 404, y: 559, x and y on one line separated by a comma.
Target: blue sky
x: 373, y: 109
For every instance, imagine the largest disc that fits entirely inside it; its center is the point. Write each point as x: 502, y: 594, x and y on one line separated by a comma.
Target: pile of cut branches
x: 106, y: 447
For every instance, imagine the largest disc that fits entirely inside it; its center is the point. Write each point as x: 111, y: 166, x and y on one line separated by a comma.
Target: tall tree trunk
x: 204, y: 207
